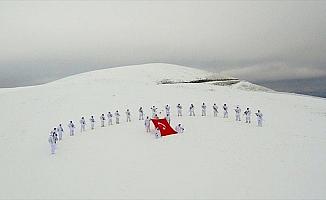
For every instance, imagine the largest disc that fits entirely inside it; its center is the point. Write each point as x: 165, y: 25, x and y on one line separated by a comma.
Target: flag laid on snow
x: 163, y: 126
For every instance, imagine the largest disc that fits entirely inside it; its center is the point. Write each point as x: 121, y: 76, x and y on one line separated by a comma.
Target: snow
x: 245, y: 85
x: 213, y: 158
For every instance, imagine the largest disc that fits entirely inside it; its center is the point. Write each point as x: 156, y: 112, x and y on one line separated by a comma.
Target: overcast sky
x: 43, y: 41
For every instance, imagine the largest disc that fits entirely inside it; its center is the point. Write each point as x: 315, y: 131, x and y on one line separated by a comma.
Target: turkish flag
x: 163, y: 126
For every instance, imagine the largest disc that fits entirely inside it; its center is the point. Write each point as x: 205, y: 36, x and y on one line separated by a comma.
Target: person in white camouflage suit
x: 215, y: 110
x: 259, y: 118
x: 203, y: 109
x: 237, y: 113
x: 226, y: 113
x: 82, y: 124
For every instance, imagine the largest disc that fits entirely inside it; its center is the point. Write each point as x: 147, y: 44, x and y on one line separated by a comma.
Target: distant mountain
x: 312, y: 87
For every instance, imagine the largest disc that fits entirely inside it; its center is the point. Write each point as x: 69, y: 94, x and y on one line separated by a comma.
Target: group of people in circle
x: 57, y: 133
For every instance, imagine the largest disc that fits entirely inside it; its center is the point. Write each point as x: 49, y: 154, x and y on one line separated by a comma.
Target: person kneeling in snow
x: 179, y: 129
x: 157, y: 133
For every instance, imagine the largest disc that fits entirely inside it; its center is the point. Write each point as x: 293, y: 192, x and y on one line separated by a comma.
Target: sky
x: 41, y: 41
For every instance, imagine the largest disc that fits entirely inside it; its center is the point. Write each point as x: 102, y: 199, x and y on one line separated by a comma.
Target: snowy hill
x: 244, y: 85
x: 214, y: 158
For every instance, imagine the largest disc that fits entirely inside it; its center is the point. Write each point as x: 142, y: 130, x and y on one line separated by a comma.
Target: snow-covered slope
x: 244, y: 85
x: 214, y: 158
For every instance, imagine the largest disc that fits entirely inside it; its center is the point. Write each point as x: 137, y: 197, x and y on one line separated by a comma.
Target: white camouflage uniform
x: 60, y: 131
x: 179, y: 128
x: 52, y: 143
x: 215, y: 110
x: 259, y: 118
x: 248, y: 115
x: 192, y: 110
x: 147, y: 124
x: 128, y: 115
x: 102, y: 118
x: 109, y: 115
x: 226, y: 113
x: 117, y: 116
x: 141, y: 113
x: 237, y: 114
x: 71, y: 127
x: 203, y: 110
x: 179, y: 108
x: 167, y: 110
x: 92, y: 122
x: 82, y: 124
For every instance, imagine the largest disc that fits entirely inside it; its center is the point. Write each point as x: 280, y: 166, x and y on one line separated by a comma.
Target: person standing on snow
x: 147, y: 124
x: 160, y: 115
x: 71, y: 127
x: 179, y: 108
x: 117, y: 116
x: 109, y: 115
x: 215, y: 110
x: 259, y: 118
x: 179, y: 128
x: 167, y: 110
x: 141, y: 113
x: 247, y: 113
x: 168, y: 118
x: 60, y: 131
x: 54, y: 134
x: 203, y: 110
x: 154, y: 109
x: 92, y: 120
x: 82, y: 124
x: 128, y: 115
x: 192, y: 110
x: 102, y: 118
x: 226, y: 113
x: 52, y: 143
x: 237, y: 113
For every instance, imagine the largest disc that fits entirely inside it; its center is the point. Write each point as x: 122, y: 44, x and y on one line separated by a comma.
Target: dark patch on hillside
x: 215, y: 81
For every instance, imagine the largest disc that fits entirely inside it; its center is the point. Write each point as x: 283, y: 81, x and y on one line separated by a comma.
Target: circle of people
x: 57, y: 132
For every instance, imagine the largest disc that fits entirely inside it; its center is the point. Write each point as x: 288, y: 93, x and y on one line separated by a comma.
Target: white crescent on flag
x: 163, y: 126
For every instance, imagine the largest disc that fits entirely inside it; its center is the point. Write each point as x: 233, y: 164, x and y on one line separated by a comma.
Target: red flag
x: 163, y: 126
